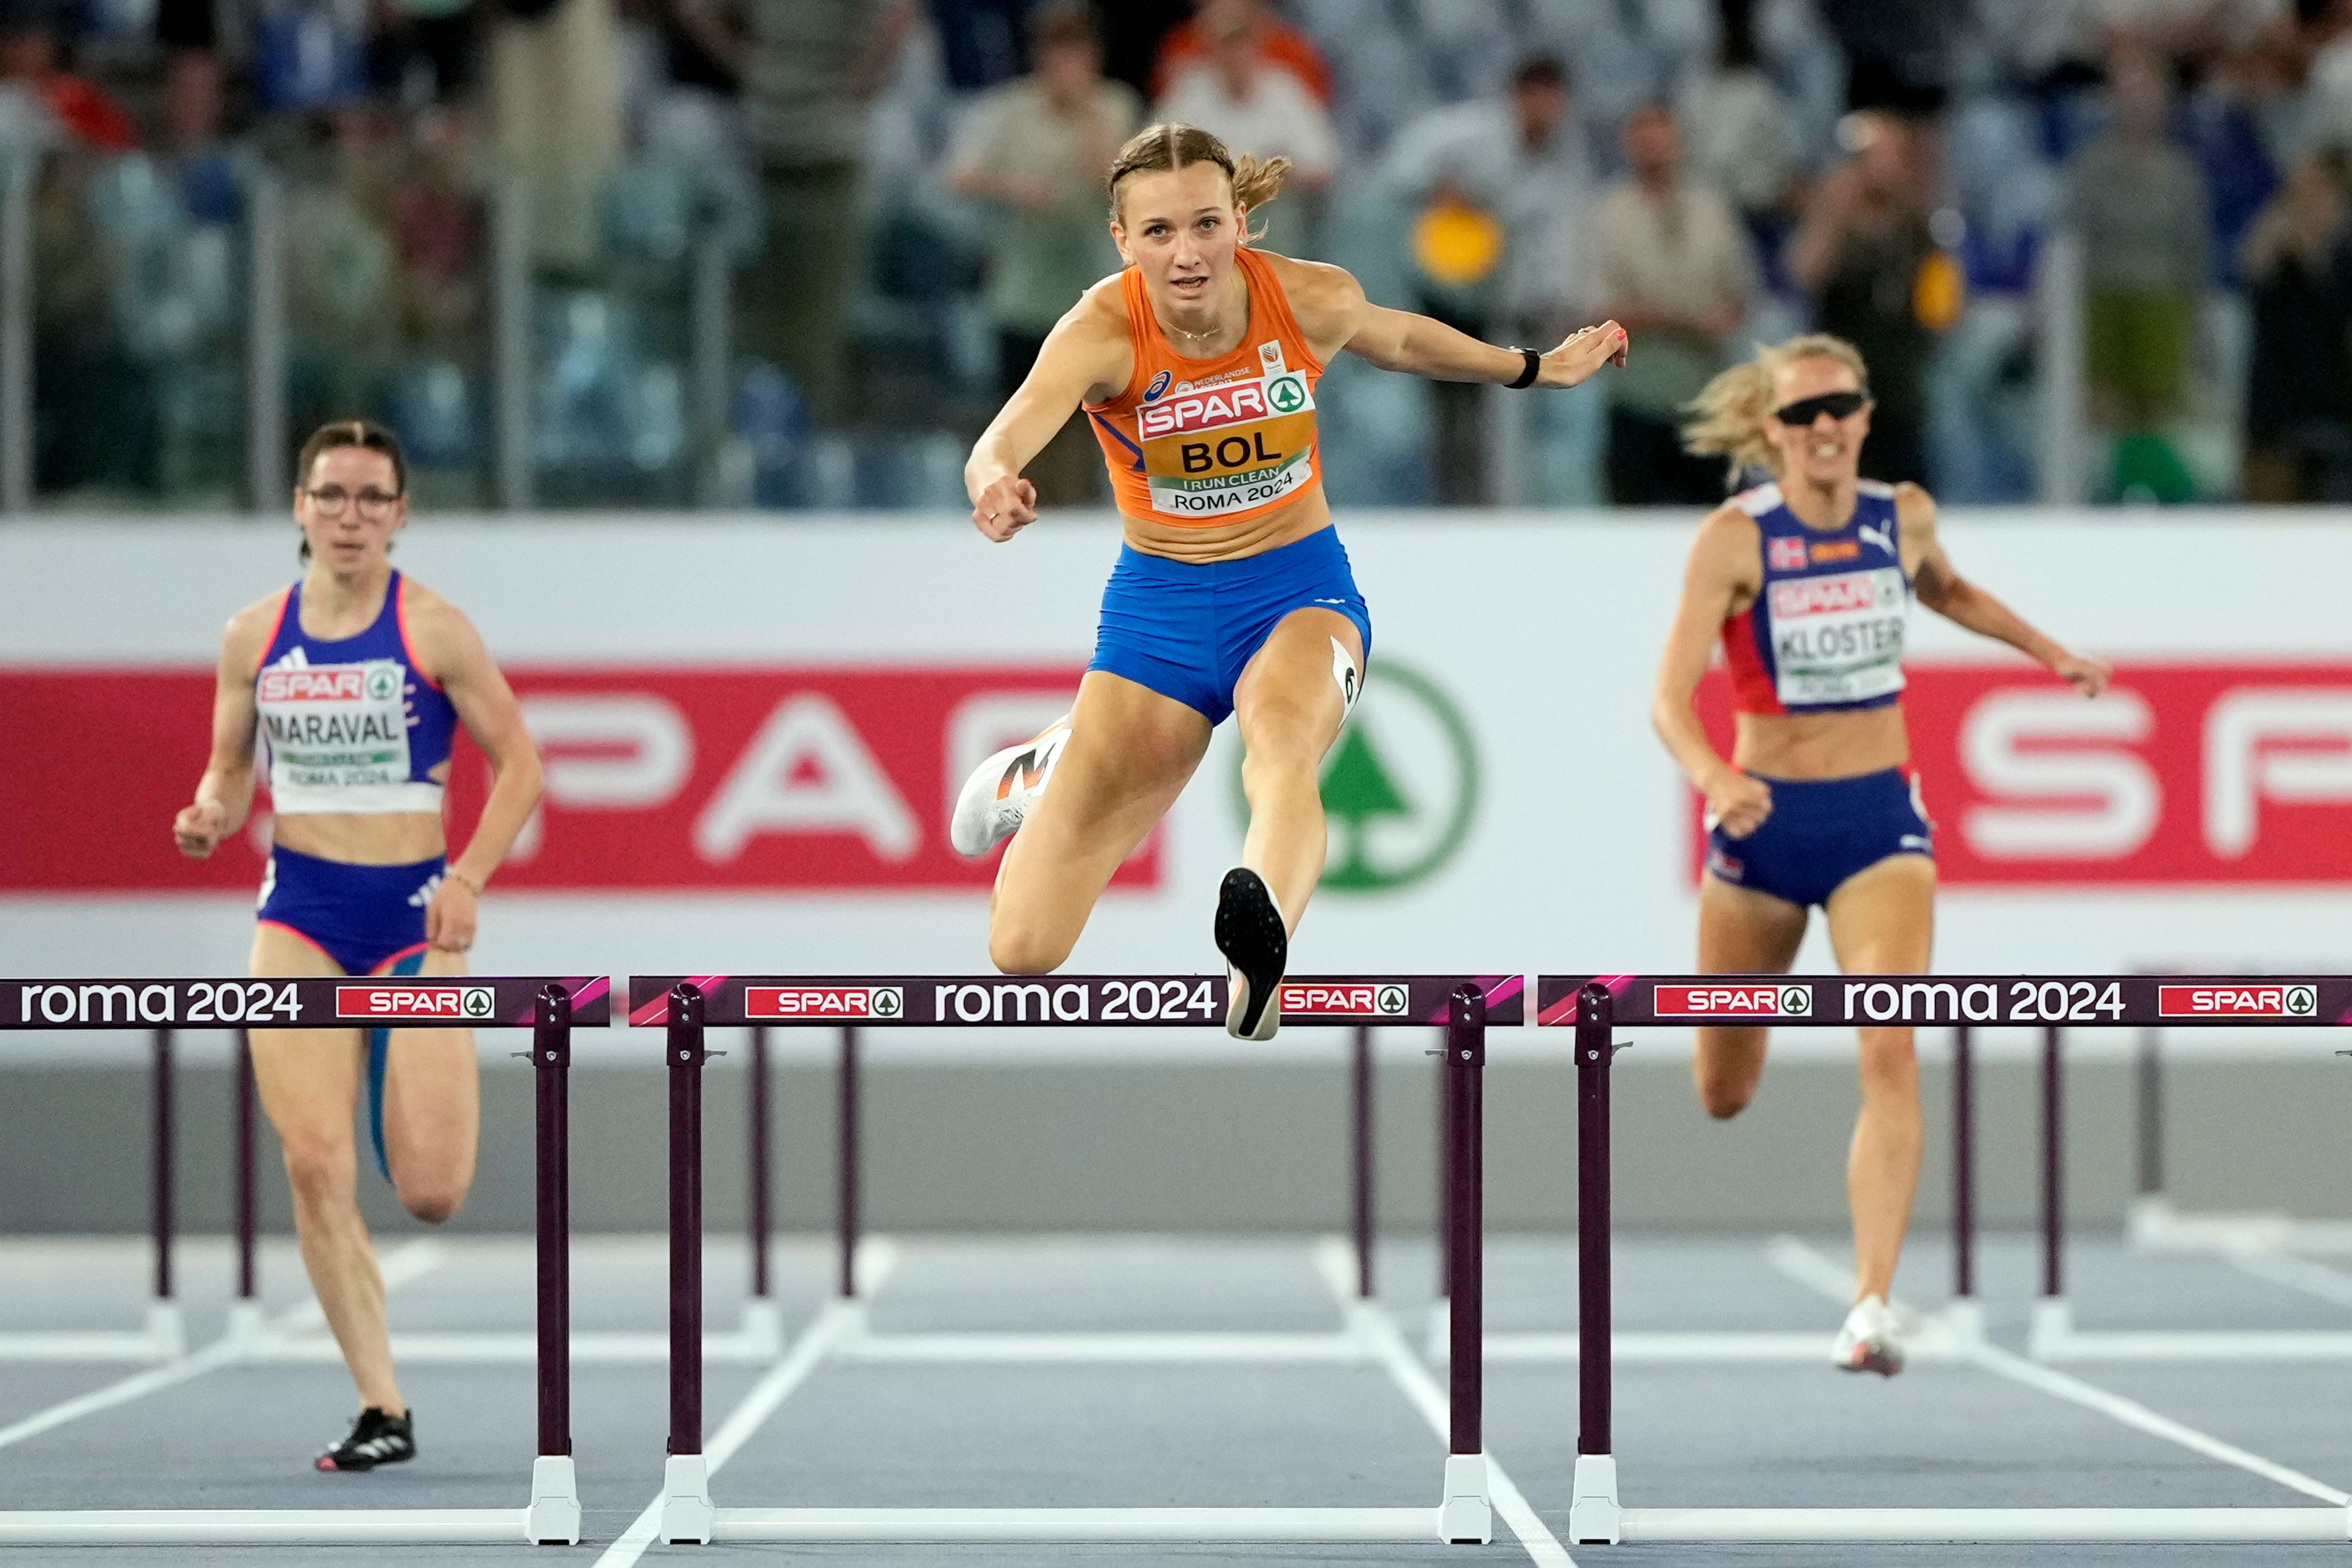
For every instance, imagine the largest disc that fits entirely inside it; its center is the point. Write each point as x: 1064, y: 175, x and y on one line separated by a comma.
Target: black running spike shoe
x: 1256, y: 948
x: 376, y: 1439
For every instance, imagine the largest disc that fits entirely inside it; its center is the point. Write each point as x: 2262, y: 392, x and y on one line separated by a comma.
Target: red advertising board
x: 2184, y: 773
x: 735, y: 779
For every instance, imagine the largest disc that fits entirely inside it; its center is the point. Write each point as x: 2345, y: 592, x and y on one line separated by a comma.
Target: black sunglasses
x: 1836, y: 404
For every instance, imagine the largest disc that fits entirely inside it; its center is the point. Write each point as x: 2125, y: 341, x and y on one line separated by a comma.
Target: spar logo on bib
x: 1735, y: 1002
x: 2237, y: 1002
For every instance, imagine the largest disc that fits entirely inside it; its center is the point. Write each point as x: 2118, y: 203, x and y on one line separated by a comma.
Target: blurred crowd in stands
x: 905, y: 194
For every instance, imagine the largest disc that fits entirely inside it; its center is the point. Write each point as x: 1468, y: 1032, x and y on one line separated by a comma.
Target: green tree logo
x: 1287, y: 394
x: 1399, y: 786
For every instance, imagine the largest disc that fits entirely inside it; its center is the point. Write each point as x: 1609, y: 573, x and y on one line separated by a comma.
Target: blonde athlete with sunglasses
x: 1807, y: 581
x: 358, y: 677
x: 1197, y: 365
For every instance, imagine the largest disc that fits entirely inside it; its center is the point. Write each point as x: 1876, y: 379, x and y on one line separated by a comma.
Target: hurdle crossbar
x: 551, y: 1007
x: 1595, y: 1006
x: 687, y: 1007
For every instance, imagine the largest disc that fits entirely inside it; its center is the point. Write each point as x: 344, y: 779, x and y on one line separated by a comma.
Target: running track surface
x: 875, y: 1434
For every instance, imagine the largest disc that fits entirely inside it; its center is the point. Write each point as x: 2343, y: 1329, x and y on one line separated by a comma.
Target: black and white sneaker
x: 376, y: 1439
x: 1256, y: 948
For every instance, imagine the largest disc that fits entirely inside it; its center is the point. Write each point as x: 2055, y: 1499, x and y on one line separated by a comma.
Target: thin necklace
x: 1196, y: 337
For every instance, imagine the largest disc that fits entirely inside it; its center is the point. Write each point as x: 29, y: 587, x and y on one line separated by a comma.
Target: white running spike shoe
x: 1872, y: 1339
x: 997, y: 798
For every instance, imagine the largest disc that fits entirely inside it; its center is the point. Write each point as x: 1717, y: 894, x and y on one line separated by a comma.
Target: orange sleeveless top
x: 1202, y: 442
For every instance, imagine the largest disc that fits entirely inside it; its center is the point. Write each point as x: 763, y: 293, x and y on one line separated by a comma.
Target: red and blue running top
x: 354, y: 725
x: 1826, y: 632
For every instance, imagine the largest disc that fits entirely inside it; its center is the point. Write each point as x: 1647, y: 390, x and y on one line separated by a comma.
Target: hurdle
x: 1595, y: 1006
x: 687, y: 1007
x: 550, y: 1008
x: 757, y: 1341
x: 164, y: 1335
x: 849, y: 1183
x: 2188, y: 1001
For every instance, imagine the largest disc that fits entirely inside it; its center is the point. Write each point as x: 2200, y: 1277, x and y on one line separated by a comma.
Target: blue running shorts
x: 1188, y: 629
x: 1822, y: 831
x: 368, y: 919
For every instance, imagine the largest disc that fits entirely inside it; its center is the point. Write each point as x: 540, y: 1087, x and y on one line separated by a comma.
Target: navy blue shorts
x: 1188, y: 629
x: 368, y: 919
x: 1822, y: 831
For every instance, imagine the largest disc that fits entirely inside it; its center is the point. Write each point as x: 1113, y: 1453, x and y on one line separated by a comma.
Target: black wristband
x: 1527, y: 376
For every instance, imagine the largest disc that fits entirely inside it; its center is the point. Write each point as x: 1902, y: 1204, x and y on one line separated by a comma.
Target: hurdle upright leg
x: 245, y: 1313
x: 1594, y: 1513
x: 686, y: 1475
x: 1360, y: 1080
x: 553, y: 1515
x: 2053, y: 1322
x: 163, y: 1327
x: 763, y: 1323
x: 1467, y: 1513
x: 849, y: 1172
x: 1964, y: 1180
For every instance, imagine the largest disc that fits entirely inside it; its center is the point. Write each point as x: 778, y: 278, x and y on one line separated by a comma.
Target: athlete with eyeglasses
x: 358, y: 677
x: 1807, y: 581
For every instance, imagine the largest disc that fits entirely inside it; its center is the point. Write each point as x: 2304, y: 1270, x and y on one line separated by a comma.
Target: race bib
x: 1839, y: 639
x: 336, y: 726
x: 1228, y: 448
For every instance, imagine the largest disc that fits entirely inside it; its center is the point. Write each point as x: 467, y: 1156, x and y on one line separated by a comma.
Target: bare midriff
x: 364, y: 839
x: 1835, y: 745
x: 1285, y: 524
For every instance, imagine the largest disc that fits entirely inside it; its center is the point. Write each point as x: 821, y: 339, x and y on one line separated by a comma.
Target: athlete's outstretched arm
x: 225, y: 794
x: 1087, y: 357
x: 1961, y: 602
x: 1421, y: 345
x: 451, y: 647
x: 1721, y: 570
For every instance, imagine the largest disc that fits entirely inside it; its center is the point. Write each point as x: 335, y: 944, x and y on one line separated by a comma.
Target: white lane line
x: 2294, y: 1273
x: 406, y: 1264
x: 1336, y: 1261
x: 837, y: 1321
x: 1809, y: 1266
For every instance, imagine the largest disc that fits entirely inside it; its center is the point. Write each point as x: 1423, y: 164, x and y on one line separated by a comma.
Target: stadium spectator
x: 1133, y: 33
x: 51, y: 102
x: 809, y: 68
x: 555, y: 101
x: 1035, y: 149
x: 1516, y: 168
x: 2298, y: 269
x: 1862, y: 250
x: 1261, y: 108
x: 1670, y: 266
x: 979, y: 40
x: 1745, y: 137
x: 2140, y: 203
x: 1278, y: 43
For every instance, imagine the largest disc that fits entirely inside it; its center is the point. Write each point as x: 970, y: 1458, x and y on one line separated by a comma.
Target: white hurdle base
x: 2054, y: 1338
x: 1986, y: 1524
x: 164, y: 1338
x: 553, y: 1517
x: 263, y: 1527
x: 1100, y: 1525
x: 2153, y: 1224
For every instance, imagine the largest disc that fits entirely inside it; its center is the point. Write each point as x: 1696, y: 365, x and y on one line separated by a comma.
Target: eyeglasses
x: 331, y: 500
x: 1836, y: 404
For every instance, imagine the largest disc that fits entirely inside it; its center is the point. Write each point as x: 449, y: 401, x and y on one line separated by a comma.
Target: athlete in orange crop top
x: 1197, y: 365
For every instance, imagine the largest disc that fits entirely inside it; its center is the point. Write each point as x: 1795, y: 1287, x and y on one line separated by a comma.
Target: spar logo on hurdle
x: 823, y: 1001
x: 2237, y: 1001
x: 394, y: 1004
x: 1348, y: 1001
x: 1735, y: 1002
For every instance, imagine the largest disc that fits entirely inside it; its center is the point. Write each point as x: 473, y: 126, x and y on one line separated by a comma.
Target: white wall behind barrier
x: 1500, y: 803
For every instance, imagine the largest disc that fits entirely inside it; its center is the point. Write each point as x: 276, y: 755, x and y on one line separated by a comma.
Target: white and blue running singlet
x: 353, y: 724
x: 1826, y: 629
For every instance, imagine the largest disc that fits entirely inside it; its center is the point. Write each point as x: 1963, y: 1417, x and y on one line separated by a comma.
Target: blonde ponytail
x: 1730, y: 409
x: 1256, y: 184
